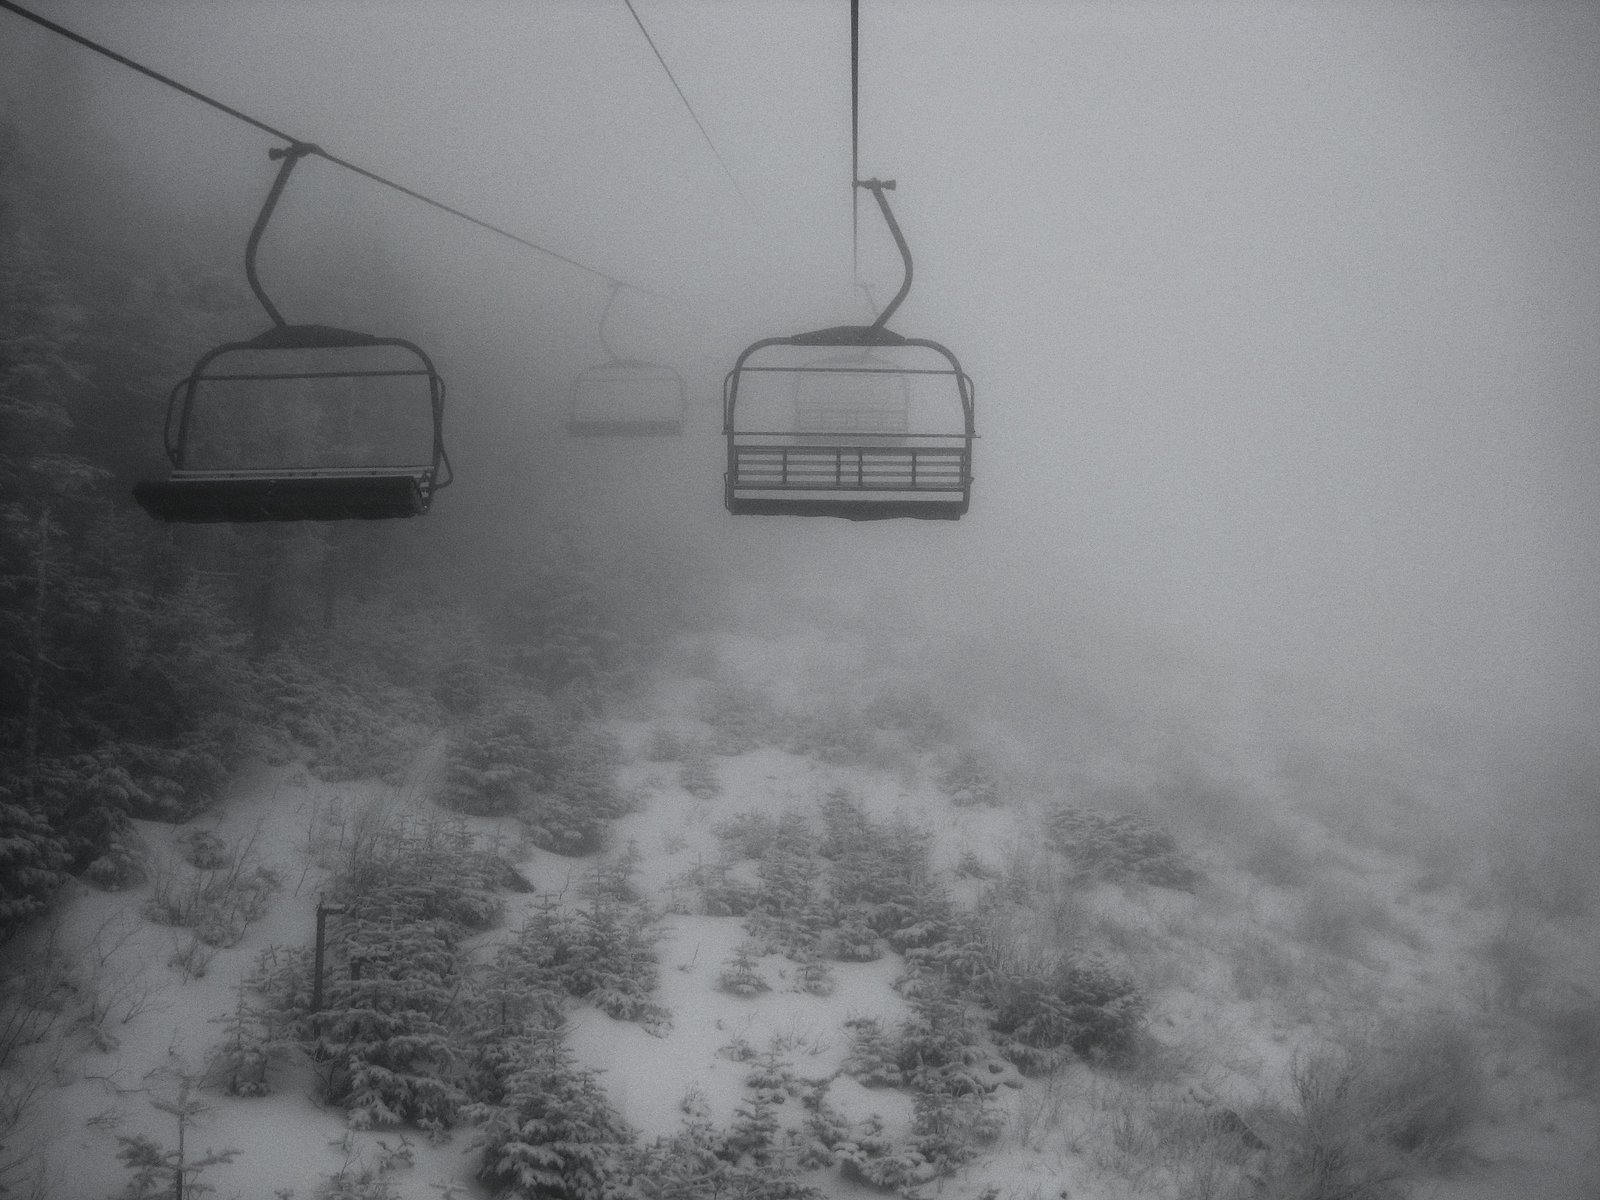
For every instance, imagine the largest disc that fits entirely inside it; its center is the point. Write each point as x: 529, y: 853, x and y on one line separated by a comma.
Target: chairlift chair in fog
x: 626, y: 397
x: 302, y: 422
x: 853, y: 421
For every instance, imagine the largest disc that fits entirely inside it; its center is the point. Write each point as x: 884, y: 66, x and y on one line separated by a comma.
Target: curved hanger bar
x: 877, y: 187
x: 290, y: 154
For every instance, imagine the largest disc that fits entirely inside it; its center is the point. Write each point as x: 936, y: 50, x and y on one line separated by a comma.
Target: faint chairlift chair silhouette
x: 625, y: 397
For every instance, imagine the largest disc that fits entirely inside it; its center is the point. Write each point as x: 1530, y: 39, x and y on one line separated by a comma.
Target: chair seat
x: 848, y: 509
x: 670, y: 427
x: 339, y: 495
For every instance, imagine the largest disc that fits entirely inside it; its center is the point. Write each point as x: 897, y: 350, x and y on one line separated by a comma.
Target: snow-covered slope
x: 1300, y: 930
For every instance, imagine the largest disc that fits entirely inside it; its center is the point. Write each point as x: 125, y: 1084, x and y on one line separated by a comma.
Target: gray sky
x: 1283, y: 315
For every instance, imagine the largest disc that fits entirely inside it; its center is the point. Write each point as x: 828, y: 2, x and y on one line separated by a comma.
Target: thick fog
x: 1282, y: 317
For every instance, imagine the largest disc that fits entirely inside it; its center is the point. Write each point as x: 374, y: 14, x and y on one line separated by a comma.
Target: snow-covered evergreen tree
x: 554, y: 1135
x: 31, y: 858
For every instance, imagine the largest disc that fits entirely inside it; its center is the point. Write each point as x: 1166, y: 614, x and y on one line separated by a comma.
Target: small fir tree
x: 740, y: 975
x: 554, y: 1135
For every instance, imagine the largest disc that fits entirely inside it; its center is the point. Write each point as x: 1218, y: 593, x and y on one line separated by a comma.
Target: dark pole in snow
x: 323, y: 912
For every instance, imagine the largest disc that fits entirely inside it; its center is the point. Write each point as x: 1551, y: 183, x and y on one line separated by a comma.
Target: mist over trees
x: 139, y: 663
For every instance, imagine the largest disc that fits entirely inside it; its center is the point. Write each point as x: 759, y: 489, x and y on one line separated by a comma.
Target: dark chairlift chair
x: 327, y: 447
x: 880, y: 426
x: 626, y: 397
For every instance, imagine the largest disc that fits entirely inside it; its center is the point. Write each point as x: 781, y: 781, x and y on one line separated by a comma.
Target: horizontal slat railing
x: 857, y: 468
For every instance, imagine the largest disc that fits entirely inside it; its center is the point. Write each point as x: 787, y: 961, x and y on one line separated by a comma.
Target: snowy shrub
x: 911, y: 712
x: 948, y: 1130
x: 1367, y: 1117
x: 551, y: 768
x: 154, y: 1170
x: 240, y: 1064
x: 741, y: 717
x: 833, y: 733
x: 867, y: 1155
x: 554, y: 1135
x: 603, y: 953
x: 940, y: 1047
x: 920, y: 916
x: 86, y: 799
x: 722, y: 894
x: 1570, y: 1033
x: 569, y: 814
x: 172, y: 781
x: 755, y: 1126
x: 462, y: 687
x: 352, y: 727
x: 873, y: 1060
x: 504, y: 754
x: 747, y: 834
x: 1082, y: 1005
x: 665, y: 744
x: 388, y: 1028
x: 740, y: 976
x: 121, y: 865
x: 390, y: 1032
x: 191, y: 959
x: 938, y: 1053
x: 971, y: 778
x: 744, y: 1162
x: 690, y: 1165
x: 204, y: 850
x: 814, y: 975
x: 1262, y: 966
x: 360, y: 1179
x: 282, y: 974
x: 430, y: 871
x: 157, y: 1172
x: 612, y: 878
x: 790, y: 913
x: 971, y: 866
x: 823, y: 1126
x: 555, y: 626
x: 1119, y: 847
x: 1426, y: 1077
x: 1339, y: 920
x: 395, y: 638
x: 965, y: 959
x: 882, y: 872
x: 856, y: 941
x: 31, y: 861
x: 697, y: 772
x: 218, y: 903
x: 356, y: 1183
x: 772, y: 1072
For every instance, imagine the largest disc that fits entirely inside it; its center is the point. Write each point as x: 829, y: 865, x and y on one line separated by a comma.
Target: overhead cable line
x: 685, y: 100
x: 855, y: 138
x: 303, y: 147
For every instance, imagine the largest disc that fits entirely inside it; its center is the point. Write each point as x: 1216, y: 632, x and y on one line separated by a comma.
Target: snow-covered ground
x: 1304, y: 926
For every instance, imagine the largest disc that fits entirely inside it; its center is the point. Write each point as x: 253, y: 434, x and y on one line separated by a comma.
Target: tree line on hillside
x: 140, y: 663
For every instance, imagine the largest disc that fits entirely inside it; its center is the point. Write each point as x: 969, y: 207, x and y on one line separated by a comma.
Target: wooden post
x: 324, y: 911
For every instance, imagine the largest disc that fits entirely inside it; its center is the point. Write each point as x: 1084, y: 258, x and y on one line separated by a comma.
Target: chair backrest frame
x: 289, y: 339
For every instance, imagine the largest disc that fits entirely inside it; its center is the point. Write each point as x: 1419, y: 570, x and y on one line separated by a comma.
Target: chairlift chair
x: 626, y: 397
x: 325, y: 445
x: 854, y: 421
